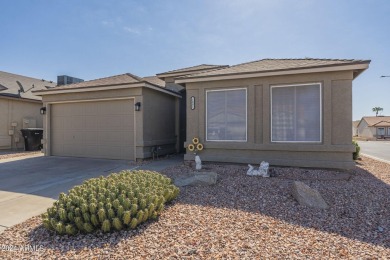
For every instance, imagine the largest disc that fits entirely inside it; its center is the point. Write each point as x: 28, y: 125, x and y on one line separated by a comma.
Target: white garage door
x: 99, y: 129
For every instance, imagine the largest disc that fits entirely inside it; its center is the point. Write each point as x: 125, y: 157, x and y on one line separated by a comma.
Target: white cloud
x: 131, y: 30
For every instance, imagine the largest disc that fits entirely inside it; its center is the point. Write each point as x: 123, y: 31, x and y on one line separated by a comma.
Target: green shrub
x: 119, y: 201
x: 356, y: 154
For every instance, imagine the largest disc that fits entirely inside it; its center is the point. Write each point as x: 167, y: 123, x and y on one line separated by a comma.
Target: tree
x: 376, y: 110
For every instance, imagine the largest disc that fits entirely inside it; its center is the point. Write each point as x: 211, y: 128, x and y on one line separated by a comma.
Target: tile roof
x: 201, y: 67
x: 9, y: 85
x: 121, y: 79
x: 267, y: 65
x: 355, y: 123
x: 108, y: 82
x: 155, y: 80
x: 382, y: 123
x: 376, y: 120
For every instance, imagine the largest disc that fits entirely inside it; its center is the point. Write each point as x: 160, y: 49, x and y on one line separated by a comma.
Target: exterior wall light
x: 137, y: 106
x: 43, y: 110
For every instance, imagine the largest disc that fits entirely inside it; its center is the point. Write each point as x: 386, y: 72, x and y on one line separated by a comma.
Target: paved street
x: 377, y: 149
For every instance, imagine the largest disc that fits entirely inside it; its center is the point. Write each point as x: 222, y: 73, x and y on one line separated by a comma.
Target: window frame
x: 246, y: 114
x: 377, y: 130
x: 320, y: 116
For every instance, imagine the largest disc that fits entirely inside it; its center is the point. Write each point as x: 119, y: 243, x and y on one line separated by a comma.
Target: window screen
x: 226, y: 115
x: 296, y: 113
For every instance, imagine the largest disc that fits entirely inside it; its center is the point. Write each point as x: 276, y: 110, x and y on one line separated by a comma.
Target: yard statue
x: 262, y: 171
x: 198, y: 163
x: 196, y: 147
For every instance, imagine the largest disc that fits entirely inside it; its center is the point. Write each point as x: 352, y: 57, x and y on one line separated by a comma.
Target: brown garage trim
x: 87, y: 100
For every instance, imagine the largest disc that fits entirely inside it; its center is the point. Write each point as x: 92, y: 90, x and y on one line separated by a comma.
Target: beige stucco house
x: 289, y: 112
x: 118, y: 117
x: 374, y: 127
x: 355, y: 127
x: 19, y: 107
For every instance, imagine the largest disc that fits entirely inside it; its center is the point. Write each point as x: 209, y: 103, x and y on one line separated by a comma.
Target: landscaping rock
x: 307, y: 196
x: 198, y: 178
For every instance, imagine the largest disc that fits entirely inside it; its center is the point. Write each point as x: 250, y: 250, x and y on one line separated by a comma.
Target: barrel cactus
x: 119, y: 201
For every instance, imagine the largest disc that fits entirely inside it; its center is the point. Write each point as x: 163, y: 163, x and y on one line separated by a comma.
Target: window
x: 381, y: 131
x: 296, y: 113
x: 226, y: 115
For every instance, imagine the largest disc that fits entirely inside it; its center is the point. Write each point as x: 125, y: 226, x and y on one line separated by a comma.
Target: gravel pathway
x: 240, y: 217
x: 14, y: 154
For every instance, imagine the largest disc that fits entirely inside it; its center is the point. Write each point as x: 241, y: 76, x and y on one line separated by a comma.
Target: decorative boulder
x: 198, y: 178
x: 307, y: 196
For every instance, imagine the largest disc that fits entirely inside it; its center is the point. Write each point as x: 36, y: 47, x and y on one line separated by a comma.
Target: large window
x: 226, y: 118
x: 296, y: 113
x: 381, y: 131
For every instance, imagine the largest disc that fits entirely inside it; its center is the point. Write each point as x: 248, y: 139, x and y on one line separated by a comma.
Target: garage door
x: 99, y: 129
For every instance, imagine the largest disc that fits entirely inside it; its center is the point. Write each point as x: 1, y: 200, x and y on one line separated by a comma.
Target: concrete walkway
x: 29, y: 185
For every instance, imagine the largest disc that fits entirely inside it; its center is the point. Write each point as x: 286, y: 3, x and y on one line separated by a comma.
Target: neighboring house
x: 118, y: 117
x: 354, y: 127
x: 19, y: 107
x: 374, y: 127
x: 289, y: 112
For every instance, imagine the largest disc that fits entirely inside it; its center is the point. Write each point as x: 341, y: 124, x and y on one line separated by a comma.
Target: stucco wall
x: 366, y: 131
x: 159, y: 123
x: 335, y: 150
x: 13, y: 110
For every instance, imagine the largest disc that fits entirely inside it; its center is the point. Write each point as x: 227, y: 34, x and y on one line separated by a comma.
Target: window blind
x: 226, y: 115
x: 296, y: 113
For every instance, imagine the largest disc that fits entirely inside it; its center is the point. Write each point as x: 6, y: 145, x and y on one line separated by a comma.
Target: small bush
x: 119, y: 201
x: 356, y: 154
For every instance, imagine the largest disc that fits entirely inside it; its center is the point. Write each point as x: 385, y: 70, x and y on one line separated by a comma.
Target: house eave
x: 5, y: 96
x: 102, y: 88
x: 353, y: 67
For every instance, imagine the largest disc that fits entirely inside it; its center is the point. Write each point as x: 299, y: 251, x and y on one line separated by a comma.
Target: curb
x: 375, y: 158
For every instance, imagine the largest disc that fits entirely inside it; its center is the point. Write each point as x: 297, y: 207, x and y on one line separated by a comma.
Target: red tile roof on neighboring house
x: 376, y: 120
x: 270, y: 65
x: 382, y: 124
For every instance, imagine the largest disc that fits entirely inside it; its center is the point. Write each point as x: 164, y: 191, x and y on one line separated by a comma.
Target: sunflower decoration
x: 195, y: 140
x: 191, y: 147
x: 195, y: 146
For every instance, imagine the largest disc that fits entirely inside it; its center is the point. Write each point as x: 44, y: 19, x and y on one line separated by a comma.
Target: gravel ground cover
x: 240, y: 217
x: 13, y: 154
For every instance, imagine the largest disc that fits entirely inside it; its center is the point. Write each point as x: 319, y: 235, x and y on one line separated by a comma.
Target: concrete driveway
x: 28, y: 186
x: 377, y: 149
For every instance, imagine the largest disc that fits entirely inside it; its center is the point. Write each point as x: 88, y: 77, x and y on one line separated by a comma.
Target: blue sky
x: 93, y: 39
